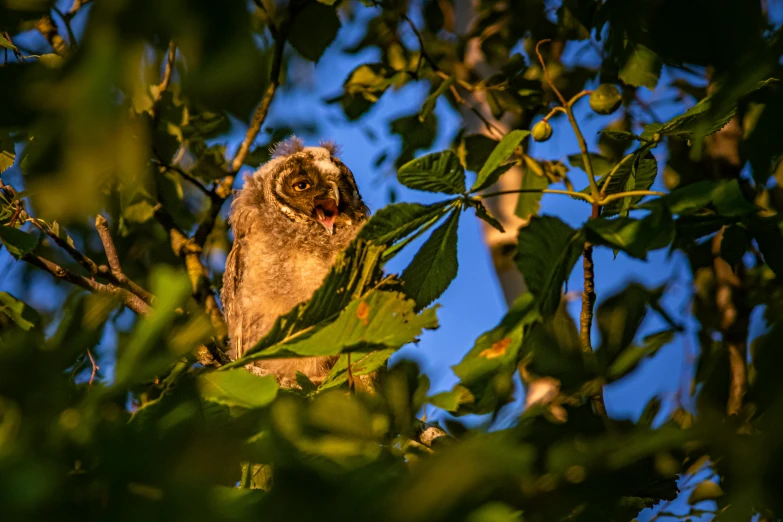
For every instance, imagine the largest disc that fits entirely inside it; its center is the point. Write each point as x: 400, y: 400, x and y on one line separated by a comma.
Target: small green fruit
x: 542, y: 131
x: 605, y: 99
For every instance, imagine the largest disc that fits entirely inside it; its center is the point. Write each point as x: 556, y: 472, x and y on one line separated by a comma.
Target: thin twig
x: 263, y: 108
x: 571, y: 193
x: 126, y: 297
x: 546, y: 72
x: 172, y: 54
x: 77, y: 256
x: 188, y: 177
x: 631, y: 193
x: 102, y: 226
x: 95, y: 366
x: 67, y: 22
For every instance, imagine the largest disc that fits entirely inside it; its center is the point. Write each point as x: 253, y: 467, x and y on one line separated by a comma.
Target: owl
x: 290, y: 220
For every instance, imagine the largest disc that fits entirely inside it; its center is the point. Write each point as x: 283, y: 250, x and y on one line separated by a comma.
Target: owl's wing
x: 231, y: 281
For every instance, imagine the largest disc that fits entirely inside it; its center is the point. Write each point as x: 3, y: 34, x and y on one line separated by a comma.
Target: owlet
x: 290, y: 220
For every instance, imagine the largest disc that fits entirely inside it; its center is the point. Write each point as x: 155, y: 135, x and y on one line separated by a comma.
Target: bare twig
x: 126, y: 297
x: 188, y: 177
x: 546, y: 72
x: 77, y: 256
x: 166, y: 80
x: 629, y: 194
x: 95, y: 366
x: 102, y: 226
x: 571, y: 193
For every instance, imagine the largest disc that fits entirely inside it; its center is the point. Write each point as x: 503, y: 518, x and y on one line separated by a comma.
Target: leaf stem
x: 571, y: 193
x: 630, y: 194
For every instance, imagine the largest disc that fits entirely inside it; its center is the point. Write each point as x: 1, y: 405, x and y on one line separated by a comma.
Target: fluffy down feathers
x: 290, y: 220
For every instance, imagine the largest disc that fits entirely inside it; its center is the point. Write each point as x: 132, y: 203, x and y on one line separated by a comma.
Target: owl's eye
x: 299, y: 186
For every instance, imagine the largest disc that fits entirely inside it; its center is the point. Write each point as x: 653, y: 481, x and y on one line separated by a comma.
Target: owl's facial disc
x: 328, y: 209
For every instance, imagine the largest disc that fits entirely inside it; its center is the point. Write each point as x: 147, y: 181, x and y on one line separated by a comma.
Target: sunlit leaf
x: 20, y: 313
x: 528, y: 203
x: 486, y: 370
x: 641, y: 66
x: 379, y: 320
x: 490, y: 172
x: 238, y: 388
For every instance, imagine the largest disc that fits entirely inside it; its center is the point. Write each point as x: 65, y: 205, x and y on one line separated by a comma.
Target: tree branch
x: 102, y: 226
x: 45, y: 25
x: 126, y: 297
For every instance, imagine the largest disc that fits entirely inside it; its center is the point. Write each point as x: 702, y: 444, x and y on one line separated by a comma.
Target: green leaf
x: 490, y: 172
x: 51, y: 60
x: 620, y: 135
x: 487, y: 369
x: 635, y: 237
x: 435, y: 265
x: 767, y: 233
x: 477, y: 149
x: 380, y: 320
x: 699, y: 121
x: 18, y: 242
x: 394, y: 222
x: 238, y: 388
x: 635, y: 174
x: 707, y: 490
x: 547, y: 251
x: 528, y: 203
x: 429, y: 104
x: 601, y: 164
x: 4, y: 42
x: 484, y: 214
x: 453, y: 399
x: 362, y: 363
x: 371, y: 80
x: 314, y: 28
x: 354, y: 271
x: 437, y: 172
x: 619, y: 318
x: 763, y: 153
x: 20, y: 313
x: 7, y: 152
x: 641, y: 66
x: 629, y: 358
x: 142, y: 357
x: 725, y: 198
x: 729, y: 200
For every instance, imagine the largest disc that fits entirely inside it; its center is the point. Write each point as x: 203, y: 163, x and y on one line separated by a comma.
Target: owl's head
x: 310, y: 184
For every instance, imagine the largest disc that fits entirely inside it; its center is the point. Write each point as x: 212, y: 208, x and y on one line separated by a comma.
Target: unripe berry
x: 605, y: 99
x: 542, y: 131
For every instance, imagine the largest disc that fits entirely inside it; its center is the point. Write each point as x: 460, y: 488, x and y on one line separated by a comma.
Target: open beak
x: 327, y: 208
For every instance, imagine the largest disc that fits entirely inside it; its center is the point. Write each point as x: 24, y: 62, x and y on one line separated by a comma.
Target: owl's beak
x: 327, y: 208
